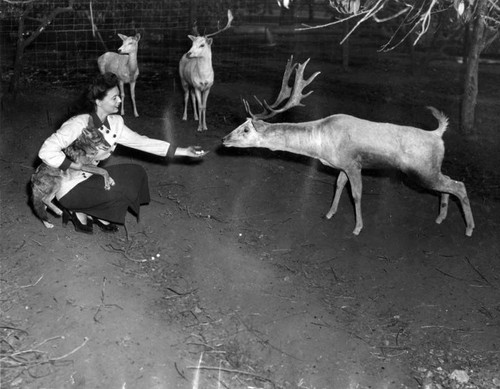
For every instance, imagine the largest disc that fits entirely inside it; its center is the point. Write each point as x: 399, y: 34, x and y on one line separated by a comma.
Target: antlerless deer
x: 350, y: 144
x: 124, y: 66
x: 197, y: 74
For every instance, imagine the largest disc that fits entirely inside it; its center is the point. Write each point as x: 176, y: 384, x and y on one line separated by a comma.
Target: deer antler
x: 228, y: 25
x: 293, y: 94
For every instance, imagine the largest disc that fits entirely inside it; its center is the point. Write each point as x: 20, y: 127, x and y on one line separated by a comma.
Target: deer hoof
x: 47, y: 224
x: 357, y: 230
x: 468, y: 231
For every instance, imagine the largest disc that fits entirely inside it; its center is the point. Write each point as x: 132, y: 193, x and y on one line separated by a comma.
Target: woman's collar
x: 97, y: 122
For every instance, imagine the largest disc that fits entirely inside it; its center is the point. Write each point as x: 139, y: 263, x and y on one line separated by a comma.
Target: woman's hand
x: 191, y: 151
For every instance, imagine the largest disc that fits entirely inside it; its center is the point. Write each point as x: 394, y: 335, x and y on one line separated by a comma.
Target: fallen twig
x: 478, y: 272
x: 30, y: 285
x: 234, y: 371
x: 12, y: 360
x: 123, y: 252
x: 103, y: 304
x: 179, y: 372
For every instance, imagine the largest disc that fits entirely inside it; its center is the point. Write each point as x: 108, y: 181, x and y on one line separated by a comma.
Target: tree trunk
x: 23, y: 43
x: 470, y: 89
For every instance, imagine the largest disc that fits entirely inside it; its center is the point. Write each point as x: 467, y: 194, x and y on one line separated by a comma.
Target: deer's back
x: 117, y: 64
x: 371, y: 144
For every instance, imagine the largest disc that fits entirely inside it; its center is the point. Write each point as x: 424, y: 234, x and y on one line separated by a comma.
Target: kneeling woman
x: 83, y: 194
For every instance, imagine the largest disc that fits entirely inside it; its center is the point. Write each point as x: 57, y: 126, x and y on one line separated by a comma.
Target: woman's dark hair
x: 100, y: 85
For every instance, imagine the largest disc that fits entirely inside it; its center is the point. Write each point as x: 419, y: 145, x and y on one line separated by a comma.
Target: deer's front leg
x: 203, y: 109
x: 199, y: 104
x: 341, y: 181
x: 122, y: 96
x: 132, y: 94
x: 355, y: 180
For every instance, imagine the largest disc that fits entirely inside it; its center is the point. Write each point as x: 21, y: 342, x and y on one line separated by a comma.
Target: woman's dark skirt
x: 131, y: 189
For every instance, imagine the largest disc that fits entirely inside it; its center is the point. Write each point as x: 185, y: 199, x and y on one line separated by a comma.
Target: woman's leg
x: 131, y: 189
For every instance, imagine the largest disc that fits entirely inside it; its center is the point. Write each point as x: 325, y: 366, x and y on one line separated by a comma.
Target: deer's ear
x: 192, y: 37
x: 258, y: 124
x: 122, y: 37
x: 138, y: 37
x: 209, y: 41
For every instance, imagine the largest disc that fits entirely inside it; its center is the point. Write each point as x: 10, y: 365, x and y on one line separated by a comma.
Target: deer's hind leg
x: 448, y: 186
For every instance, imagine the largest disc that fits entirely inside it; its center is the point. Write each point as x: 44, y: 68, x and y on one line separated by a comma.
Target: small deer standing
x: 124, y: 66
x: 350, y: 144
x: 197, y: 74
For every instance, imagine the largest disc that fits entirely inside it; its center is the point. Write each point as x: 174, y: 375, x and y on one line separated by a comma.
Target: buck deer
x: 350, y: 144
x: 124, y: 65
x: 197, y: 74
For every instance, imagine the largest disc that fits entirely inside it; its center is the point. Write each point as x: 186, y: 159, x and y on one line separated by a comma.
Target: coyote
x: 46, y: 181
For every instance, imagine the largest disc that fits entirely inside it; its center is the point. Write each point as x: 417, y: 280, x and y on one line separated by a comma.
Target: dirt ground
x: 232, y: 266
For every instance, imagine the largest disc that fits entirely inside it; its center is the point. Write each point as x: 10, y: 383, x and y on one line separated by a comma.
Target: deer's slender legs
x: 203, y: 109
x: 445, y: 184
x: 121, y: 84
x: 194, y: 102
x: 443, y: 208
x: 341, y: 181
x: 132, y: 94
x: 355, y: 180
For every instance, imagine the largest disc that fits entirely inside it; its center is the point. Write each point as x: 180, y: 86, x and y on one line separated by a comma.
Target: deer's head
x: 201, y: 45
x: 248, y: 134
x: 130, y: 43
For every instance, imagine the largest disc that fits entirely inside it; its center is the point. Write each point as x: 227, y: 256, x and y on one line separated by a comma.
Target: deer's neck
x: 205, y: 62
x: 132, y: 61
x: 298, y: 138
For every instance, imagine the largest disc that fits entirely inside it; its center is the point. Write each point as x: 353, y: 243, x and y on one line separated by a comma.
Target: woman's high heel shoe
x: 79, y: 226
x: 110, y: 227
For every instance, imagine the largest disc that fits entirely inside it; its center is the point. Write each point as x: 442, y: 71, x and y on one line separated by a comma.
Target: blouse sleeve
x: 132, y: 139
x: 51, y: 151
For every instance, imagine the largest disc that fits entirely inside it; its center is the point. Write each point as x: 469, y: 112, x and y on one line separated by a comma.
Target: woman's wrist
x: 172, y: 151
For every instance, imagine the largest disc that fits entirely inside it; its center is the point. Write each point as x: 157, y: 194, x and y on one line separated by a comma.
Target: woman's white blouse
x: 52, y: 153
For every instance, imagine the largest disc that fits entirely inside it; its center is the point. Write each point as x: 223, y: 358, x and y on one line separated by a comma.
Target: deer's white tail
x: 442, y: 119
